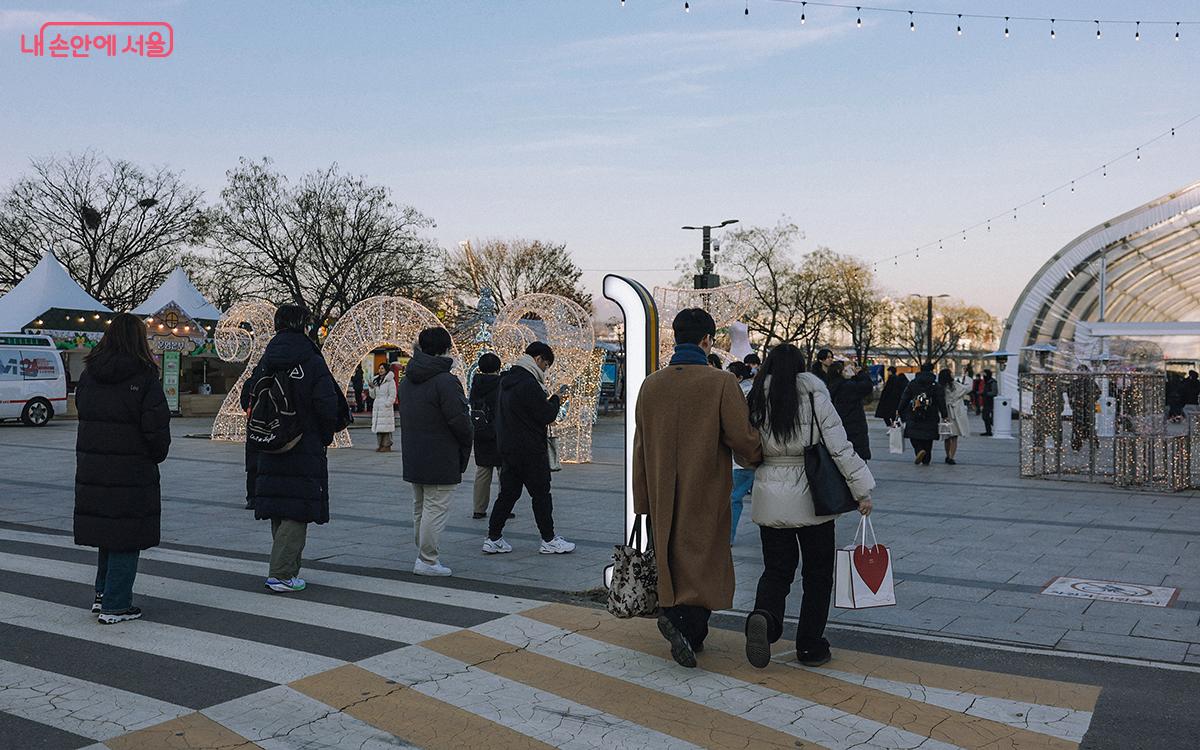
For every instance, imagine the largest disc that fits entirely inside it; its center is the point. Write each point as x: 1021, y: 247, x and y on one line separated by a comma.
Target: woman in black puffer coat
x: 124, y: 434
x: 848, y: 392
x: 922, y: 407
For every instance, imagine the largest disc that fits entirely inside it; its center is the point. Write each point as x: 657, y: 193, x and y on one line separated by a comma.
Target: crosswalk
x: 359, y: 661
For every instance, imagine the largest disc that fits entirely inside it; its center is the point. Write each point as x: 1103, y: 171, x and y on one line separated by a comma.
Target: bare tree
x: 118, y: 229
x: 790, y: 301
x: 860, y: 307
x: 513, y: 268
x: 954, y: 323
x: 328, y: 242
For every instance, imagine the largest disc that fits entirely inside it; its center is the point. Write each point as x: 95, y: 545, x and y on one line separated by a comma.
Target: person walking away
x: 524, y: 417
x: 754, y: 361
x: 977, y: 393
x: 785, y: 404
x: 715, y: 361
x: 1083, y: 395
x: 291, y: 489
x: 690, y: 423
x: 124, y: 434
x: 922, y: 408
x: 953, y: 393
x: 1191, y: 389
x: 848, y: 390
x: 356, y: 385
x: 383, y: 416
x: 485, y: 402
x: 991, y: 389
x: 824, y: 362
x: 743, y: 479
x: 889, y: 398
x: 435, y: 442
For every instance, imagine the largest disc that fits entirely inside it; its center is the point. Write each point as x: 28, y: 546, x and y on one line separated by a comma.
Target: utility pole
x: 707, y: 279
x: 929, y: 323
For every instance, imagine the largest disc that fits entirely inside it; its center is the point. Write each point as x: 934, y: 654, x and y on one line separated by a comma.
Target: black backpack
x: 275, y: 424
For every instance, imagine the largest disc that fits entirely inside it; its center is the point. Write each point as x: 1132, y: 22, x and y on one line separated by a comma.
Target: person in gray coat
x: 435, y: 442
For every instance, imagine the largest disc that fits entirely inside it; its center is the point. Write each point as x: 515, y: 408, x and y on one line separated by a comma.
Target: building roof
x: 47, y: 286
x: 178, y: 288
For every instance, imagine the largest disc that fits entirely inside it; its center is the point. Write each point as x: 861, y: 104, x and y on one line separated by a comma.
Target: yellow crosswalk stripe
x: 188, y: 732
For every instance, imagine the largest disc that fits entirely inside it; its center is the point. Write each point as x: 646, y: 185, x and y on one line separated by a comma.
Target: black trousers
x: 989, y: 410
x: 783, y: 550
x: 923, y: 445
x: 533, y: 476
x: 690, y: 620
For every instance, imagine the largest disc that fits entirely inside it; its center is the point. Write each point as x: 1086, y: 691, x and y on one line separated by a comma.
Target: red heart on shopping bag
x: 871, y: 564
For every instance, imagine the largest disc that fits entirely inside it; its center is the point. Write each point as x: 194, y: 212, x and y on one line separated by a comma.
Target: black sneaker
x: 951, y: 461
x: 815, y: 656
x: 478, y: 516
x: 96, y: 604
x: 758, y: 643
x: 133, y: 613
x: 681, y: 650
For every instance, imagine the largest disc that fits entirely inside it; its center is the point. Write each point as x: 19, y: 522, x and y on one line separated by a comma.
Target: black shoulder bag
x: 830, y: 493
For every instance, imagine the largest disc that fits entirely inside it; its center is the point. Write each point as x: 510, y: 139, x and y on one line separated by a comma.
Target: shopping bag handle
x: 865, y: 526
x: 635, y: 536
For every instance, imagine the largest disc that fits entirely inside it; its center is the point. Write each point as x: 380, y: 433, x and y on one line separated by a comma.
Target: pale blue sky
x: 609, y: 128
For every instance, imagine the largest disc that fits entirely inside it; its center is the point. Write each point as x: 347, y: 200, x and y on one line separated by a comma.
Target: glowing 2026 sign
x: 641, y: 359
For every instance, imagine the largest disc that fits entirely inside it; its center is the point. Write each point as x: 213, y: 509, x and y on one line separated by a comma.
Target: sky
x: 608, y: 127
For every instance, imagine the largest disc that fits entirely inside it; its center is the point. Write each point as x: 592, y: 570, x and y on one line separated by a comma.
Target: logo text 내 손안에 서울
x: 66, y: 40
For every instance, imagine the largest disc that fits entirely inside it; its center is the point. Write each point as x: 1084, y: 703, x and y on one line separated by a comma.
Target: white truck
x: 33, y: 383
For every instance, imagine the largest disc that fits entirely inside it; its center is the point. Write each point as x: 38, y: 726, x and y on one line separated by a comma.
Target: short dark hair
x: 892, y: 369
x: 740, y: 369
x: 987, y: 373
x: 692, y: 325
x: 715, y: 361
x: 823, y: 353
x: 434, y: 341
x: 540, y: 349
x: 489, y: 364
x: 292, y: 318
x: 927, y: 367
x: 752, y: 359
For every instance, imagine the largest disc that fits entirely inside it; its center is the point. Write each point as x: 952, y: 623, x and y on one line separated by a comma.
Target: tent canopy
x: 178, y: 288
x: 47, y: 286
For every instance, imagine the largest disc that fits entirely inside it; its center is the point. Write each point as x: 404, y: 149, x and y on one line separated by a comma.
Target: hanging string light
x: 747, y: 7
x: 1177, y: 31
x: 1097, y: 29
x: 960, y: 24
x: 686, y: 8
x: 1137, y: 33
x: 912, y: 24
x: 859, y: 9
x: 802, y: 19
x: 1052, y: 36
x: 1006, y: 27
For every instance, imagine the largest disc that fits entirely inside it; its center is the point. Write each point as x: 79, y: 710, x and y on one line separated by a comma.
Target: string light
x: 859, y: 22
x: 960, y: 24
x: 1043, y: 201
x: 1139, y: 153
x: 1052, y: 35
x: 686, y: 8
x: 1177, y: 31
x: 1006, y: 27
x: 802, y: 19
x: 1097, y: 29
x: 1072, y: 186
x: 1104, y: 171
x: 912, y: 24
x: 747, y: 7
x: 1137, y: 34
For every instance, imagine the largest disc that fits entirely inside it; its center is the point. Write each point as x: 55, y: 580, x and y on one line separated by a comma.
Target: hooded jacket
x: 295, y: 485
x: 847, y: 395
x: 435, y: 424
x: 922, y: 426
x: 485, y: 400
x: 124, y: 433
x: 781, y: 497
x: 524, y: 415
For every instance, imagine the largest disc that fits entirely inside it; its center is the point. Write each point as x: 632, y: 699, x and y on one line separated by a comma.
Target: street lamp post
x: 707, y: 279
x: 929, y: 323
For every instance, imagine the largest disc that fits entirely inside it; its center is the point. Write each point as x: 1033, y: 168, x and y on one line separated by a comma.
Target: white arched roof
x: 47, y: 285
x: 178, y: 288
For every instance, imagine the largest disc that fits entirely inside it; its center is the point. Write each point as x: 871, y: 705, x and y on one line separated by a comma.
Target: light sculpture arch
x: 241, y: 335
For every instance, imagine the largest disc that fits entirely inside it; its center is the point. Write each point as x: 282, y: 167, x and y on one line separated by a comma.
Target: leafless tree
x: 954, y: 322
x: 327, y: 242
x: 117, y: 228
x: 860, y: 307
x: 513, y: 268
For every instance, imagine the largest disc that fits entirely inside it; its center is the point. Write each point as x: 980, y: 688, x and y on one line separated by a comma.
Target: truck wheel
x: 37, y: 412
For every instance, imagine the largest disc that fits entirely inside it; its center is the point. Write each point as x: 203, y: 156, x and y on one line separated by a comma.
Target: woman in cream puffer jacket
x: 783, y: 507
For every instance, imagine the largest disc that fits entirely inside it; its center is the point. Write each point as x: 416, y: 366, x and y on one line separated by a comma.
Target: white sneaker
x: 498, y: 547
x: 422, y: 568
x: 557, y: 546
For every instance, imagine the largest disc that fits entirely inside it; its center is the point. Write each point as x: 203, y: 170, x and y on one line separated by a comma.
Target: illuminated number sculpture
x: 241, y: 335
x: 373, y: 324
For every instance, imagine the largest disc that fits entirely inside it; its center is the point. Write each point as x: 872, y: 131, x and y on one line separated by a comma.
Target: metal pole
x: 1103, y: 283
x: 929, y: 332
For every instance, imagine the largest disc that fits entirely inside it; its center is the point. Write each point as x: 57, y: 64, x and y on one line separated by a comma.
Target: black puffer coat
x: 524, y: 415
x: 295, y: 485
x: 848, y: 395
x: 485, y: 402
x: 889, y: 398
x: 922, y: 426
x: 435, y: 423
x: 124, y: 434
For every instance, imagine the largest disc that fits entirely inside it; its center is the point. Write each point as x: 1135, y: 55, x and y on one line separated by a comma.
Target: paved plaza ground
x: 511, y: 649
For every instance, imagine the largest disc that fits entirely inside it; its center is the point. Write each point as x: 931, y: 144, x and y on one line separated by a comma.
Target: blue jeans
x: 743, y: 484
x: 115, y: 572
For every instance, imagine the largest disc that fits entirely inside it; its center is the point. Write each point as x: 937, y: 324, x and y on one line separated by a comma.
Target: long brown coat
x: 689, y: 420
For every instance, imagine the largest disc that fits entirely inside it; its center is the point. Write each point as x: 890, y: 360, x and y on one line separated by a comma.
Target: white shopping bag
x: 863, y: 574
x: 896, y: 438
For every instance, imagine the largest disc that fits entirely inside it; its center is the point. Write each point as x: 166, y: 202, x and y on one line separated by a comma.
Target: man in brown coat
x: 690, y: 418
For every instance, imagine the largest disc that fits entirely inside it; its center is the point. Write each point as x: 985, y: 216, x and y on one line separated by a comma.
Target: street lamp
x: 707, y: 279
x: 929, y: 323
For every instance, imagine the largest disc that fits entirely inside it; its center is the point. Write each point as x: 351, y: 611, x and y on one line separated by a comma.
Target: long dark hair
x: 778, y: 411
x: 126, y: 336
x: 945, y: 378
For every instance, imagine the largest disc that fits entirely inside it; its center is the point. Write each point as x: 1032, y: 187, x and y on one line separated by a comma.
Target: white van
x: 33, y: 385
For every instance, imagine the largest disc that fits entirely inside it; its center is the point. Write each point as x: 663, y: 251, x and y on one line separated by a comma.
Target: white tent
x: 47, y: 285
x: 178, y: 288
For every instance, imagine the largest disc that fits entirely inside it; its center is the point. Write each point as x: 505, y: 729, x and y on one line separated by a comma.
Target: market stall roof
x: 178, y: 288
x: 47, y: 286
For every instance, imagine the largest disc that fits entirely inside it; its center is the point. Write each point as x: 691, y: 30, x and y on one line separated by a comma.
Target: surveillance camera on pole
x: 707, y: 279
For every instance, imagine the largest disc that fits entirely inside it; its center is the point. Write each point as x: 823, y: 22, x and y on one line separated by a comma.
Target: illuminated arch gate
x: 373, y: 324
x: 241, y: 335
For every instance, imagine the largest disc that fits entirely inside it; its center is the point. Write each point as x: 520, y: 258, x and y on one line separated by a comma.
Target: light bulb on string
x: 859, y: 21
x: 1097, y: 29
x: 960, y: 24
x: 802, y: 12
x: 1104, y: 170
x: 912, y: 24
x: 1006, y: 27
x: 1043, y: 201
x: 1139, y: 153
x: 1137, y: 34
x: 747, y: 7
x: 1072, y: 186
x: 1177, y: 31
x: 989, y: 225
x: 686, y: 8
x: 1052, y: 34
x: 1014, y: 214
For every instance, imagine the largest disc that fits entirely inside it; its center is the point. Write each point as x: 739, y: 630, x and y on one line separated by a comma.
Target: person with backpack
x: 435, y: 437
x: 791, y: 411
x: 485, y: 402
x: 383, y: 412
x: 922, y: 408
x: 124, y: 434
x: 295, y: 409
x: 991, y: 390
